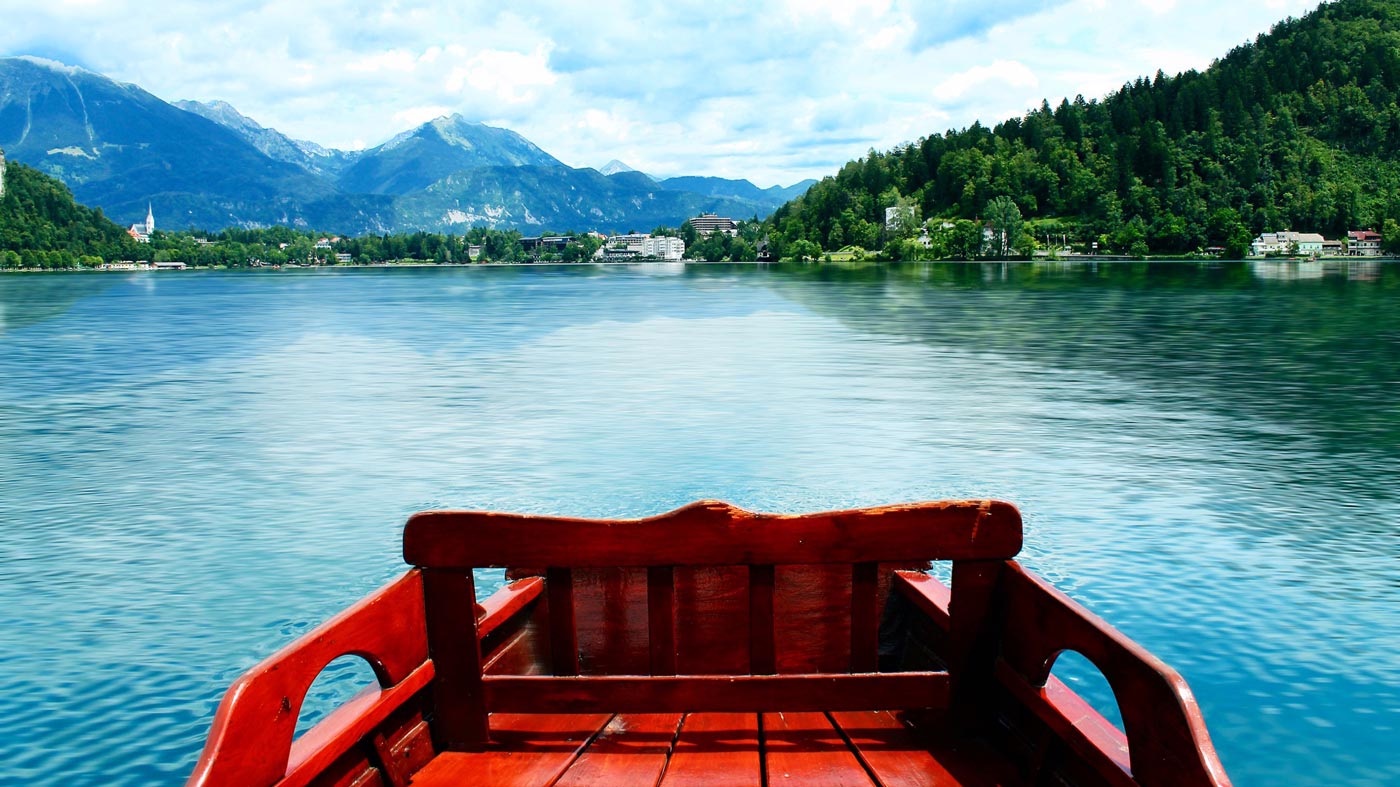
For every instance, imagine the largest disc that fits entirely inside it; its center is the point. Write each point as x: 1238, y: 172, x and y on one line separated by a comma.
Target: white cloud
x: 999, y: 75
x: 511, y: 77
x: 772, y: 91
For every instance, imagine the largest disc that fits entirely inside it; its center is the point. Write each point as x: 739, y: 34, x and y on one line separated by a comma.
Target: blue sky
x: 771, y: 91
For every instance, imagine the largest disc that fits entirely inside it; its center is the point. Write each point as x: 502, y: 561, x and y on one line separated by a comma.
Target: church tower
x: 150, y: 219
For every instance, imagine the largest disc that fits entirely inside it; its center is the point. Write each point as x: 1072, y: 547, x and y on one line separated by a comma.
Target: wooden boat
x: 713, y: 646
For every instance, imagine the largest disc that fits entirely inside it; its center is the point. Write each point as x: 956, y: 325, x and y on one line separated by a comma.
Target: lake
x: 197, y: 467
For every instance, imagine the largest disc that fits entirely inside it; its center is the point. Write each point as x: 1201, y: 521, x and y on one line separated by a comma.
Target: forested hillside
x: 1298, y: 130
x: 42, y: 227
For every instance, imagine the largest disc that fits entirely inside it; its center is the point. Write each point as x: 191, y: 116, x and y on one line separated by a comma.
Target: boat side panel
x: 1167, y: 739
x: 251, y: 739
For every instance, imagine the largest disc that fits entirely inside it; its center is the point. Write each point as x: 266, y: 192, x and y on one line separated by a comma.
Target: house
x: 1310, y: 243
x: 474, y: 251
x: 765, y: 250
x: 1333, y: 248
x: 709, y: 223
x: 1363, y: 243
x: 343, y: 258
x: 169, y: 266
x: 1286, y: 242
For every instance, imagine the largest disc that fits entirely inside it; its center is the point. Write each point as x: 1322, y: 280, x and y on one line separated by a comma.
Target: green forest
x: 1297, y: 130
x: 42, y: 227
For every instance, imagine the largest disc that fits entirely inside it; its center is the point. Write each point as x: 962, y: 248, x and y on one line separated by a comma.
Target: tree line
x: 1298, y: 130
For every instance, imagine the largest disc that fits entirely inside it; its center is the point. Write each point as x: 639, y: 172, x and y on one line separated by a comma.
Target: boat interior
x: 714, y: 646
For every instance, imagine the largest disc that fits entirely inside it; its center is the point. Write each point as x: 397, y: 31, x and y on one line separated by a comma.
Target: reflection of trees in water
x: 1318, y: 349
x: 30, y: 298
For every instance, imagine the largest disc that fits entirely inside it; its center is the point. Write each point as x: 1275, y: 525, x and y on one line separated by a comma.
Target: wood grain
x: 716, y: 750
x: 804, y: 748
x: 711, y: 533
x: 525, y: 751
x: 716, y: 693
x: 631, y: 750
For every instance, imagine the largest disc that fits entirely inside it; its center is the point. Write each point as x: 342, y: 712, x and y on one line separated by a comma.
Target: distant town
x: 721, y: 233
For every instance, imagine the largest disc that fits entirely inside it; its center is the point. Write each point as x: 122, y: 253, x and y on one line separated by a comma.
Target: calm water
x: 196, y: 467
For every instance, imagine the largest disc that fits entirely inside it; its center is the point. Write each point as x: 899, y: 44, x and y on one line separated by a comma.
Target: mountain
x: 739, y: 189
x: 274, y: 144
x: 119, y: 147
x: 1299, y: 130
x: 537, y: 198
x: 613, y: 167
x: 209, y: 166
x: 42, y: 226
x: 418, y: 158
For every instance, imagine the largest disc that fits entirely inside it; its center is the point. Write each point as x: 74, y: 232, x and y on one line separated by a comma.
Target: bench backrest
x: 448, y: 545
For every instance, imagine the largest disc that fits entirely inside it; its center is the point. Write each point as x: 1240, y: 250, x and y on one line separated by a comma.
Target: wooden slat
x: 865, y: 617
x: 974, y: 629
x: 712, y: 533
x: 563, y: 634
x: 336, y: 734
x: 506, y: 603
x: 1074, y: 724
x: 525, y: 751
x: 803, y: 748
x: 716, y: 749
x: 460, y: 705
x: 929, y: 594
x: 661, y: 619
x: 631, y: 750
x: 763, y: 656
x: 716, y: 693
x: 900, y: 757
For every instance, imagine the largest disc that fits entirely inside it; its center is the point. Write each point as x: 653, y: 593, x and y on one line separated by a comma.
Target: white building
x: 142, y: 232
x: 1288, y: 243
x: 2, y: 173
x: 1361, y: 243
x: 707, y: 223
x: 641, y: 247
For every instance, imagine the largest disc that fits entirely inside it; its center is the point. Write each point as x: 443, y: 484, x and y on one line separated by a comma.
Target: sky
x: 773, y: 91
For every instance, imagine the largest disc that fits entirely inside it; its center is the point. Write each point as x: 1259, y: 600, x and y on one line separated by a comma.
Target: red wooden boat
x: 713, y: 646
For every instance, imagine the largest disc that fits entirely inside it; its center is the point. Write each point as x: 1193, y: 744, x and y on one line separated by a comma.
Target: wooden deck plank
x: 716, y: 750
x: 804, y: 749
x: 900, y: 757
x: 716, y: 693
x: 631, y: 750
x: 526, y: 750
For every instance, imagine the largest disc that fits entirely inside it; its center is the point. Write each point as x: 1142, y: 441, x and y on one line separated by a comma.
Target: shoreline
x: 469, y: 266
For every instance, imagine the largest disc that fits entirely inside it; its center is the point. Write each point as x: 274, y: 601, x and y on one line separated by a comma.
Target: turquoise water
x: 196, y: 467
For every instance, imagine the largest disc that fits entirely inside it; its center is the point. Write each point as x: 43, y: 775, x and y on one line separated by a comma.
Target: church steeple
x: 150, y: 219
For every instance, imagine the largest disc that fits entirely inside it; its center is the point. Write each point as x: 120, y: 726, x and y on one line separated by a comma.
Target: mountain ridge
x: 208, y: 165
